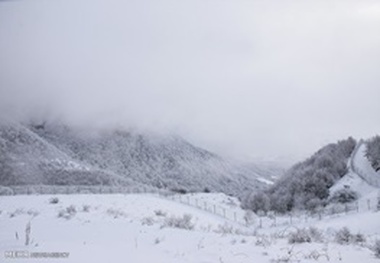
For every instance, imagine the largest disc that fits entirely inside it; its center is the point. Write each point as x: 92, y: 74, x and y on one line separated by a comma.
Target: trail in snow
x: 360, y: 165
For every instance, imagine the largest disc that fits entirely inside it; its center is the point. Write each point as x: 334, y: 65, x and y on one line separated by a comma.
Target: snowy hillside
x: 306, y: 184
x: 361, y: 177
x: 149, y: 228
x: 27, y: 159
x: 55, y: 154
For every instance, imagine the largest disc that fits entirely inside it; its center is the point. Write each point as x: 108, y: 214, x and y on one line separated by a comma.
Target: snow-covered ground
x: 137, y: 228
x: 202, y: 227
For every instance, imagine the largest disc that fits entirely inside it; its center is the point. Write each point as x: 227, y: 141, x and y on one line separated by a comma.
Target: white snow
x: 128, y: 228
x: 361, y: 166
x: 266, y: 181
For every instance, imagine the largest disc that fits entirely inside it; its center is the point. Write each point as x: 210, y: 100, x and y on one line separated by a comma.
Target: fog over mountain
x: 60, y: 155
x: 246, y: 79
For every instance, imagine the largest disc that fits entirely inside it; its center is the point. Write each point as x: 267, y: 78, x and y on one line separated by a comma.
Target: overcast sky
x: 246, y: 78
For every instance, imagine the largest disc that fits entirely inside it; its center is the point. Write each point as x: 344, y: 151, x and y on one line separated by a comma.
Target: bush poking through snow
x: 68, y: 213
x: 359, y: 238
x: 149, y: 221
x: 115, y: 213
x: 311, y: 234
x: 54, y: 200
x: 86, y: 208
x: 344, y: 196
x: 300, y: 236
x: 17, y: 212
x: 263, y: 241
x: 33, y: 213
x: 315, y: 234
x: 183, y: 222
x: 225, y: 229
x: 344, y: 237
x: 160, y: 213
x: 376, y: 248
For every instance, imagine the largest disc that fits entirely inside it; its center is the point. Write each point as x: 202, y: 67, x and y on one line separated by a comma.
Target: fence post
x: 224, y: 212
x: 369, y: 204
x: 235, y: 218
x: 214, y: 209
x: 196, y: 203
x: 205, y: 205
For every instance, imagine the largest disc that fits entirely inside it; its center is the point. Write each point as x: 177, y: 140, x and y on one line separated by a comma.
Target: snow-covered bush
x: 314, y: 205
x: 54, y: 200
x: 257, y: 202
x: 17, y: 212
x: 315, y: 234
x: 225, y: 229
x: 5, y: 191
x: 300, y: 236
x: 115, y: 213
x: 86, y: 208
x: 183, y: 222
x: 263, y: 241
x: 32, y: 212
x: 376, y: 248
x: 359, y: 238
x: 148, y: 221
x: 337, y: 208
x: 68, y: 213
x: 373, y: 152
x: 160, y: 213
x: 344, y: 237
x: 344, y: 196
x: 179, y: 191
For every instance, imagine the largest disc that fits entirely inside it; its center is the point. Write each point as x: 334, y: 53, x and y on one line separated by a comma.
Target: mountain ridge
x: 57, y: 154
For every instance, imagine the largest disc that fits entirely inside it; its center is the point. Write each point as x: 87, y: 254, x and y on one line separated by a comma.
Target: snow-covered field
x: 141, y: 228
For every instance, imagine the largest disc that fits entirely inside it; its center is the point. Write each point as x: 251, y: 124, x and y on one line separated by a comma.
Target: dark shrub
x: 344, y: 196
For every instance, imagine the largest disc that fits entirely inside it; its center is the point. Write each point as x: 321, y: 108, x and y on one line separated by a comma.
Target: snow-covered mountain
x: 338, y: 173
x: 56, y: 154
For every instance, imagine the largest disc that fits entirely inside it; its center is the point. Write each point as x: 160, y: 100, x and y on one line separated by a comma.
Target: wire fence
x: 82, y: 189
x: 230, y: 212
x: 272, y: 219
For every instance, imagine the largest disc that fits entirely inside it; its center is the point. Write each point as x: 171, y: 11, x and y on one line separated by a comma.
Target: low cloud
x: 244, y: 78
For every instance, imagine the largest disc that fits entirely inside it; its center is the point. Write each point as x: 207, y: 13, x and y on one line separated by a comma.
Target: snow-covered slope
x: 27, y: 159
x: 361, y: 166
x: 57, y: 154
x: 137, y: 228
x: 361, y: 177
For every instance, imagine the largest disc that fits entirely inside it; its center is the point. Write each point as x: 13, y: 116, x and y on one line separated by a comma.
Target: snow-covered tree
x: 373, y: 152
x: 306, y: 185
